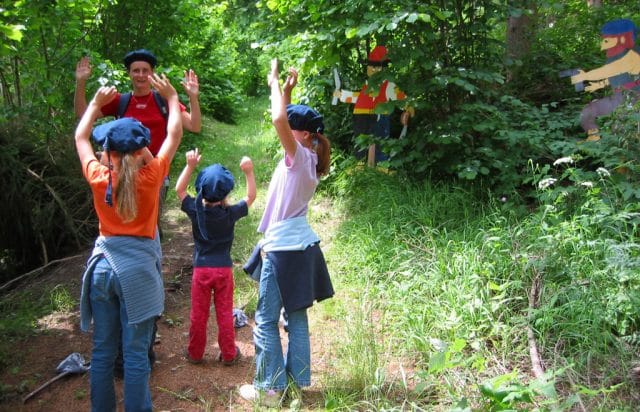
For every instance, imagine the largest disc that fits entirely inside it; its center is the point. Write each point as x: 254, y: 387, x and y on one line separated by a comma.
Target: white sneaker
x: 268, y: 398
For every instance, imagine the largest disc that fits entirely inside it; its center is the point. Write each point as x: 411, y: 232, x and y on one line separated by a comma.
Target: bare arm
x: 146, y: 155
x: 174, y: 123
x: 279, y: 112
x: 192, y: 120
x: 83, y: 131
x: 83, y: 71
x: 193, y: 158
x: 247, y: 168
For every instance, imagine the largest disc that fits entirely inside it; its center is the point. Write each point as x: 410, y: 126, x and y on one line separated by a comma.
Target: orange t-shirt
x: 148, y: 182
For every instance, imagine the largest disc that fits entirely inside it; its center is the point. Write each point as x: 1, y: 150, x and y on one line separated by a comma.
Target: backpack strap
x: 162, y: 104
x: 125, y: 98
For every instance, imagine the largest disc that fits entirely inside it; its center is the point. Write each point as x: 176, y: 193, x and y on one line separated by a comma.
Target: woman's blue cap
x: 141, y: 55
x: 124, y: 135
x: 302, y: 117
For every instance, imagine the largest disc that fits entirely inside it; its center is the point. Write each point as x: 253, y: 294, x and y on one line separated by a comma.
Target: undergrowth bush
x: 47, y: 209
x: 451, y: 269
x: 583, y: 244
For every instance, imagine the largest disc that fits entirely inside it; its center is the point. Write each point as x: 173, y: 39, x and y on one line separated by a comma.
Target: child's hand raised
x: 292, y: 80
x: 193, y: 157
x: 246, y: 165
x: 104, y: 95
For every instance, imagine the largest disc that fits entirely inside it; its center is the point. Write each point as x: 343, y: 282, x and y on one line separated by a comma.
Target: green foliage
x: 454, y: 271
x: 506, y: 393
x: 586, y: 236
x: 48, y: 210
x: 47, y: 203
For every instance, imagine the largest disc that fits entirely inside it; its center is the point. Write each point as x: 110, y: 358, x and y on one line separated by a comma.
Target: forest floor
x: 176, y: 385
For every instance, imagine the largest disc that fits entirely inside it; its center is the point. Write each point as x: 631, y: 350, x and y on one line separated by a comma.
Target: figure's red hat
x: 378, y: 56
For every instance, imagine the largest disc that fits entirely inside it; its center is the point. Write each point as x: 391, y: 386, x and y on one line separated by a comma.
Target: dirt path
x: 176, y: 385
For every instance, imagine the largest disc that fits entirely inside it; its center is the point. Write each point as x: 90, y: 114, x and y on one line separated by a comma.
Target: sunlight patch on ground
x: 59, y: 321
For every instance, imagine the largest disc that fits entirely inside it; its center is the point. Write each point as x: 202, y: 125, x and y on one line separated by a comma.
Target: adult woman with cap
x: 213, y: 220
x: 122, y: 288
x: 140, y: 64
x: 293, y: 271
x: 146, y: 108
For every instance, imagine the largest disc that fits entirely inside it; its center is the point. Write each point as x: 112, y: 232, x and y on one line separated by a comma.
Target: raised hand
x: 190, y: 83
x: 162, y: 85
x: 246, y: 165
x: 291, y: 81
x: 193, y: 157
x: 104, y: 95
x: 83, y: 68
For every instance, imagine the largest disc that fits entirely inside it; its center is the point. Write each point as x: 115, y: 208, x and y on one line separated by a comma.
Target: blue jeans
x: 272, y: 368
x: 109, y: 323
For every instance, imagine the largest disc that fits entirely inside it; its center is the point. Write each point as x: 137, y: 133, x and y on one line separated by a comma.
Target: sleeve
x: 394, y: 93
x: 92, y: 170
x: 239, y: 210
x: 294, y: 162
x: 111, y: 108
x: 164, y: 164
x: 188, y: 206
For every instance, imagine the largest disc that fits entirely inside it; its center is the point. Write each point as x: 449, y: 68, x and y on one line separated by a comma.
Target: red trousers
x: 206, y: 280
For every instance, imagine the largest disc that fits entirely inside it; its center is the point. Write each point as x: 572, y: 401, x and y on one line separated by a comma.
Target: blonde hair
x: 323, y: 150
x: 126, y: 199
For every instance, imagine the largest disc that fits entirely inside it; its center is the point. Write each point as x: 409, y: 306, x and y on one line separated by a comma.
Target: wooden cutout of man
x: 623, y: 63
x: 365, y: 118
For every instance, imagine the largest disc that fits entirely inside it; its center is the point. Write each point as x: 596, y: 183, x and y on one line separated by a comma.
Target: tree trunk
x: 520, y: 32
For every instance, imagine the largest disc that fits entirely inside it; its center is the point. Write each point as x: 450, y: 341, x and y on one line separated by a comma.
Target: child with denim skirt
x: 212, y: 223
x: 293, y: 271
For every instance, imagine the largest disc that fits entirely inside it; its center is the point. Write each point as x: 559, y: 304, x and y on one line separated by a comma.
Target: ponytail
x: 126, y: 201
x: 322, y: 147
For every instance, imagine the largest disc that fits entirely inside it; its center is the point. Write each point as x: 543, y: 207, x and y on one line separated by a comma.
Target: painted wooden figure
x: 620, y: 72
x: 365, y: 118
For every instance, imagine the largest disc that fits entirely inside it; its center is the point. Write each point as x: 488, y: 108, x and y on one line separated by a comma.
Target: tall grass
x: 448, y: 273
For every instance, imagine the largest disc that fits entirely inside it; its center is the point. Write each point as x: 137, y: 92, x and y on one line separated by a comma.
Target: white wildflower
x: 587, y: 184
x: 545, y: 183
x: 563, y: 160
x: 603, y: 172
